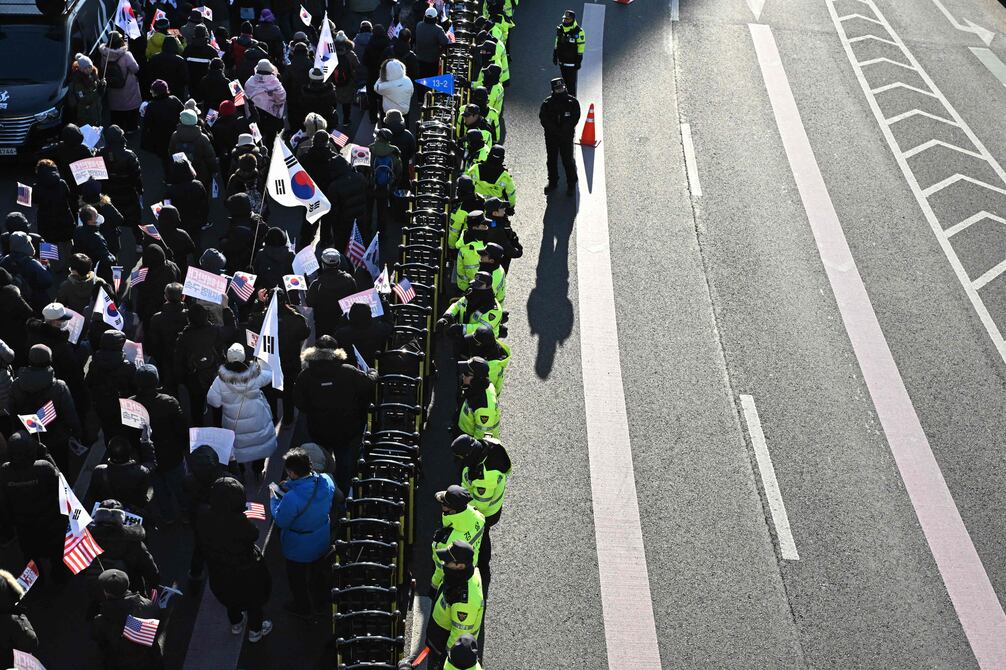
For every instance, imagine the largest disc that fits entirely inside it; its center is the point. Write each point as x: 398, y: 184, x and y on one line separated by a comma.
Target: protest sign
x: 205, y: 285
x: 133, y: 351
x: 74, y: 325
x: 88, y: 168
x: 305, y: 262
x: 133, y: 414
x: 220, y: 439
x: 369, y: 297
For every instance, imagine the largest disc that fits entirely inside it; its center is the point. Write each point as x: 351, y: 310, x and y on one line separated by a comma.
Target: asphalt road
x: 721, y: 291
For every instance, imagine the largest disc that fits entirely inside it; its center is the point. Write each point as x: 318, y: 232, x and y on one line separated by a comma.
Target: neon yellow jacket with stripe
x: 499, y: 285
x: 469, y: 257
x: 492, y: 119
x: 467, y: 525
x: 459, y: 221
x: 495, y: 93
x: 488, y: 487
x: 482, y: 421
x: 498, y: 366
x: 502, y: 188
x: 458, y: 313
x: 464, y: 614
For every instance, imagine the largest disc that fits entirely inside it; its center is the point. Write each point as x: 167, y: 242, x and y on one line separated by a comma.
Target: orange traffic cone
x: 588, y: 137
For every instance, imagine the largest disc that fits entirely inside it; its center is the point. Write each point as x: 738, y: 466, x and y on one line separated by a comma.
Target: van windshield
x: 33, y: 53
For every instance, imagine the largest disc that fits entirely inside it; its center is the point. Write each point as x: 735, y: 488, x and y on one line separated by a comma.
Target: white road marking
x: 756, y: 6
x: 787, y: 545
x: 627, y: 608
x: 990, y: 60
x: 691, y: 166
x: 674, y: 10
x: 955, y: 119
x: 980, y: 613
x: 971, y: 220
x: 968, y: 26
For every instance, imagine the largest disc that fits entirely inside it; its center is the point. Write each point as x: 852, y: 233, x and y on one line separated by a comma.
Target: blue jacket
x: 305, y: 538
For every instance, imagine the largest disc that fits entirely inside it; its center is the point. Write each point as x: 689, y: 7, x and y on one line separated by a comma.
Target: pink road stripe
x: 980, y: 613
x: 630, y: 633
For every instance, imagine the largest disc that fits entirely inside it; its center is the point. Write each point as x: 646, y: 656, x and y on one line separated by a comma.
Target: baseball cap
x: 457, y: 552
x: 55, y: 311
x: 431, y: 12
x: 454, y: 497
x: 475, y: 366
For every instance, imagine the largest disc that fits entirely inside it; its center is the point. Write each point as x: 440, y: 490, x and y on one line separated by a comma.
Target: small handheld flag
x: 340, y: 139
x: 305, y: 16
x: 28, y: 576
x: 360, y: 362
x: 383, y: 284
x: 289, y: 184
x: 294, y: 283
x: 243, y: 285
x: 23, y: 195
x: 46, y: 413
x: 355, y: 249
x: 255, y: 510
x: 140, y: 631
x: 125, y: 18
x: 325, y: 58
x: 116, y: 277
x: 48, y: 251
x: 404, y: 290
x: 137, y: 276
x: 79, y: 551
x: 237, y: 92
x: 109, y: 312
x: 32, y: 423
x: 151, y: 230
x: 370, y: 256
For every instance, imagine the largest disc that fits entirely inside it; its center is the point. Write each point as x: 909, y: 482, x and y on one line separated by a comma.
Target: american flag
x: 46, y: 413
x: 79, y: 551
x: 137, y: 276
x: 340, y: 139
x: 243, y: 285
x: 151, y: 230
x: 404, y: 291
x: 23, y: 195
x: 450, y: 34
x: 140, y: 631
x: 255, y: 511
x: 237, y: 92
x: 356, y: 249
x: 48, y: 251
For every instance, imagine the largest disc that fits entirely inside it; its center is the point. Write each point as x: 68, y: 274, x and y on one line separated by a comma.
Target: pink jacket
x: 267, y: 93
x: 128, y: 97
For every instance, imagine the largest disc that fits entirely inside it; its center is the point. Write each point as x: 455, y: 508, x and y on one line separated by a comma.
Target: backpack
x: 114, y: 76
x: 341, y: 76
x: 12, y: 265
x: 203, y: 367
x: 383, y: 171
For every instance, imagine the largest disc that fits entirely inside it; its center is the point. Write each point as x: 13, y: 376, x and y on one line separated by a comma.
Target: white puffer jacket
x: 245, y: 411
x: 394, y: 87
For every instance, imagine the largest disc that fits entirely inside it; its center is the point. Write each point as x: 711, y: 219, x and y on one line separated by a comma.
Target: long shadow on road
x: 549, y: 308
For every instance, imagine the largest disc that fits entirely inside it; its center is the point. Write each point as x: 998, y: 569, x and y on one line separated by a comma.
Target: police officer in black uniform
x: 559, y: 114
x: 567, y: 52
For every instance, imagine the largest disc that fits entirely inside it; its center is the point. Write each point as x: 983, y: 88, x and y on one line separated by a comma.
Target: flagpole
x: 261, y: 208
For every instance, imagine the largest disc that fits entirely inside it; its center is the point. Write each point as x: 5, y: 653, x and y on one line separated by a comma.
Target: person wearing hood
x: 204, y: 468
x: 225, y: 132
x: 122, y: 477
x: 479, y: 415
x: 348, y: 194
x: 269, y: 97
x: 317, y: 158
x: 293, y: 330
x: 169, y: 66
x: 324, y: 293
x: 170, y: 435
x: 346, y: 74
x: 489, y: 79
x: 37, y: 385
x: 86, y: 91
x: 239, y: 575
x: 269, y: 34
x: 79, y: 289
x: 17, y: 312
x: 318, y: 97
x: 375, y: 55
x: 295, y: 78
x: 360, y: 43
x: 493, y: 116
x: 216, y: 86
x: 88, y: 240
x: 15, y: 222
x: 247, y: 145
x: 475, y: 149
x: 110, y: 218
x: 197, y: 356
x: 243, y: 408
x: 123, y: 90
x: 492, y: 179
x: 190, y: 196
x: 198, y: 55
x: 496, y: 353
x: 30, y: 276
x: 402, y: 138
x: 29, y: 501
x: 188, y: 29
x: 302, y: 513
x: 335, y: 395
x: 239, y: 44
x: 459, y: 605
x: 431, y: 42
x: 54, y: 199
x: 160, y: 118
x: 394, y: 87
x: 110, y: 376
x: 220, y: 313
x: 178, y: 241
x: 367, y: 334
x: 245, y: 179
x: 124, y: 547
x: 125, y: 177
x: 245, y: 231
x: 15, y: 629
x: 190, y: 140
x: 148, y: 295
x: 401, y: 49
x: 159, y: 338
x: 70, y: 149
x: 255, y: 53
x: 155, y: 42
x: 117, y: 603
x: 386, y: 169
x: 274, y: 261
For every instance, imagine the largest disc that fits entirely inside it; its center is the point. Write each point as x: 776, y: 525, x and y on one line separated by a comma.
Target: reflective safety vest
x: 463, y: 614
x: 467, y: 266
x: 467, y: 525
x: 502, y: 59
x: 458, y: 312
x: 472, y: 160
x: 497, y: 368
x: 502, y: 188
x: 495, y: 93
x: 499, y: 284
x: 458, y: 224
x: 487, y: 488
x: 482, y: 421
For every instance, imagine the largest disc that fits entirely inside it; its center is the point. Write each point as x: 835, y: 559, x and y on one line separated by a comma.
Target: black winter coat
x: 65, y: 362
x: 192, y: 202
x: 13, y: 327
x: 319, y: 98
x: 55, y: 207
x: 293, y: 330
x: 36, y: 386
x: 120, y: 653
x: 124, y: 185
x: 198, y: 353
x: 109, y: 377
x: 159, y: 123
x: 124, y: 549
x: 270, y: 265
x: 323, y: 296
x: 334, y: 394
x: 160, y: 336
x: 171, y: 68
x: 15, y: 633
x: 168, y: 428
x: 149, y: 296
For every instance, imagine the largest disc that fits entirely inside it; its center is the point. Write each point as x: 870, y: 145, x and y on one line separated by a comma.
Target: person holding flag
x: 119, y: 606
x: 325, y: 57
x: 37, y: 385
x: 291, y: 186
x: 17, y: 630
x: 292, y: 329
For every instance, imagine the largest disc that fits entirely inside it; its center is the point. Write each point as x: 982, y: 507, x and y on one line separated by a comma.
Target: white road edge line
x: 675, y: 15
x: 990, y: 60
x: 975, y: 601
x: 691, y: 166
x: 626, y: 603
x: 787, y: 545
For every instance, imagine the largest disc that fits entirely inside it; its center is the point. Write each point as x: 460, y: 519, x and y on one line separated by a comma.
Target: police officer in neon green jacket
x: 492, y: 115
x: 461, y: 521
x: 489, y: 78
x: 491, y: 177
x: 468, y: 201
x: 470, y: 118
x: 469, y: 248
x: 490, y: 260
x: 464, y: 655
x: 483, y: 343
x: 459, y: 605
x: 477, y: 307
x: 476, y: 150
x: 491, y: 51
x: 479, y: 415
x: 485, y: 470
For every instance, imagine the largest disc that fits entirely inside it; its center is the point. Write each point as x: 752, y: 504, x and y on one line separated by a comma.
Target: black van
x: 38, y: 40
